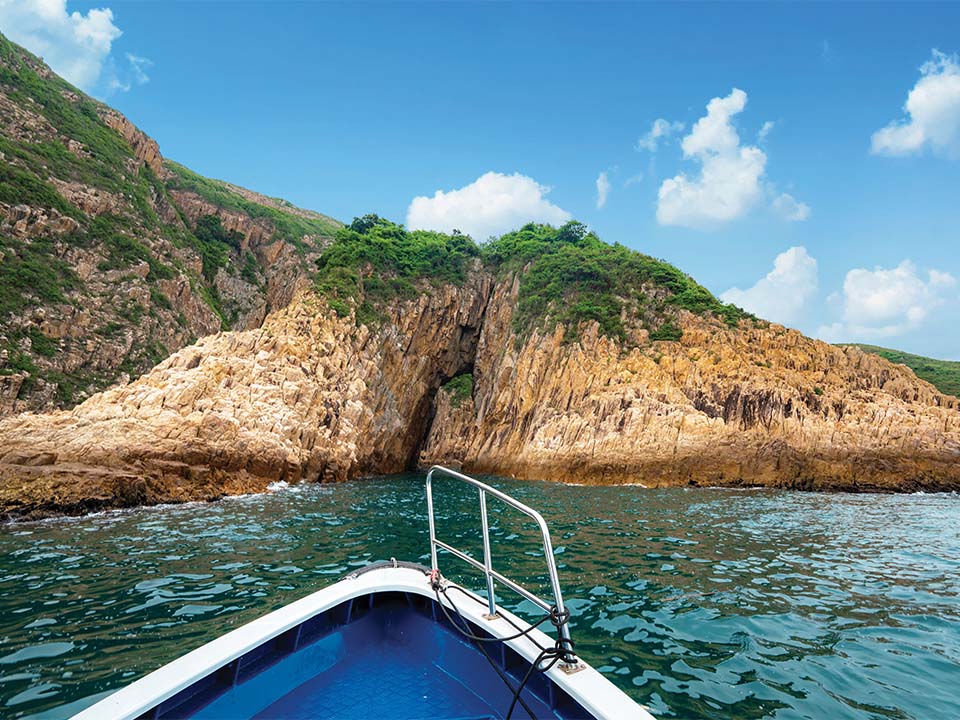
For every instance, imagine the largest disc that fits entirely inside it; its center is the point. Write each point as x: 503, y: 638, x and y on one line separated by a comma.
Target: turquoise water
x: 698, y: 603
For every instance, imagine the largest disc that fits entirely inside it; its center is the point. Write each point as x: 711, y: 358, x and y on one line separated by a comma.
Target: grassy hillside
x: 103, y: 270
x: 291, y: 223
x: 112, y: 257
x: 567, y: 275
x: 942, y: 374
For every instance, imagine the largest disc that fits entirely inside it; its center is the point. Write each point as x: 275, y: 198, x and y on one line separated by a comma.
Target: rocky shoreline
x: 751, y: 406
x: 311, y: 396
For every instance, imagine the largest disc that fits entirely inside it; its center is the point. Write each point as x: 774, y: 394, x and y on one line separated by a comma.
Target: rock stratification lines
x: 311, y: 396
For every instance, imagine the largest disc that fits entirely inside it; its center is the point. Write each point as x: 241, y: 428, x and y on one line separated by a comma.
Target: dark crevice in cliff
x: 430, y: 416
x: 467, y: 346
x: 427, y: 412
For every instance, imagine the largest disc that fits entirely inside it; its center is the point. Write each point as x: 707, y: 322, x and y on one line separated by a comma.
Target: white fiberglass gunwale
x: 595, y: 693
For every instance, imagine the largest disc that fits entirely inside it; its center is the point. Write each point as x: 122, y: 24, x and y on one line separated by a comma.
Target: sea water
x: 697, y: 602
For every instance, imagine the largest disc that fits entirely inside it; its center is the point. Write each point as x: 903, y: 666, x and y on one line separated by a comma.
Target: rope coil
x: 558, y: 618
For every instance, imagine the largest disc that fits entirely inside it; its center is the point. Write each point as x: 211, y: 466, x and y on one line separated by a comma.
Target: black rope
x: 435, y: 582
x: 502, y: 617
x: 551, y: 655
x: 479, y: 638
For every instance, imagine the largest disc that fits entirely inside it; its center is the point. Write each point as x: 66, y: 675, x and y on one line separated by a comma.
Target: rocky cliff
x: 312, y: 396
x: 308, y: 396
x: 757, y: 404
x: 111, y: 257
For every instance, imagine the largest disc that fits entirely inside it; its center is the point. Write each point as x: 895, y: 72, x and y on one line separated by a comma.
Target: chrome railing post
x: 487, y: 560
x: 433, y: 529
x: 563, y: 629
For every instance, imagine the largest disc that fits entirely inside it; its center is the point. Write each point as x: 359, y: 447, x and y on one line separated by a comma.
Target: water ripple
x: 699, y: 603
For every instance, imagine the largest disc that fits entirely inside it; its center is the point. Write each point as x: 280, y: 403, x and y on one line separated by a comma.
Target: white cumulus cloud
x: 784, y: 294
x: 884, y: 302
x: 491, y: 205
x: 76, y: 45
x: 729, y: 182
x: 932, y: 113
x: 603, y: 189
x: 660, y: 130
x: 788, y: 208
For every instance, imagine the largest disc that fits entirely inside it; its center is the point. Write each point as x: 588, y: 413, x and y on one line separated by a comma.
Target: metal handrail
x: 487, y: 565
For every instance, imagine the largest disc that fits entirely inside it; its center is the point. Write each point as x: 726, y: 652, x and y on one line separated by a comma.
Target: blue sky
x: 807, y: 157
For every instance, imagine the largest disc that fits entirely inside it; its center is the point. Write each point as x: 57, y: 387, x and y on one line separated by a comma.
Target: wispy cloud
x: 134, y: 74
x: 603, y: 189
x: 660, y: 130
x: 138, y: 66
x: 932, y: 113
x: 789, y: 209
x: 765, y: 130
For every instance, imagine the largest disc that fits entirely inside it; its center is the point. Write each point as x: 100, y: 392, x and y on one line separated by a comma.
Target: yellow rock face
x: 306, y: 397
x: 309, y: 396
x: 750, y: 406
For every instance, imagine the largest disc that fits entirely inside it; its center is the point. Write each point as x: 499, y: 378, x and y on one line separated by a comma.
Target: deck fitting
x: 572, y: 668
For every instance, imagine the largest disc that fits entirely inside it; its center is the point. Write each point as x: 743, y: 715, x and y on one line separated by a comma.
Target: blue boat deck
x: 382, y: 643
x: 389, y: 655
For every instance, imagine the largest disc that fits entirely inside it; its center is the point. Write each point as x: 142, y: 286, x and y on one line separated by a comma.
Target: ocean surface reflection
x: 699, y: 603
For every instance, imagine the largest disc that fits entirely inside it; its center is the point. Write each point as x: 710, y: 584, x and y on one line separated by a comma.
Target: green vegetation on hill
x: 32, y: 270
x: 123, y: 249
x: 72, y: 114
x: 373, y: 261
x: 289, y: 226
x: 18, y: 186
x: 460, y: 389
x: 568, y: 275
x: 57, y: 148
x: 572, y: 276
x: 944, y: 375
x: 214, y: 243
